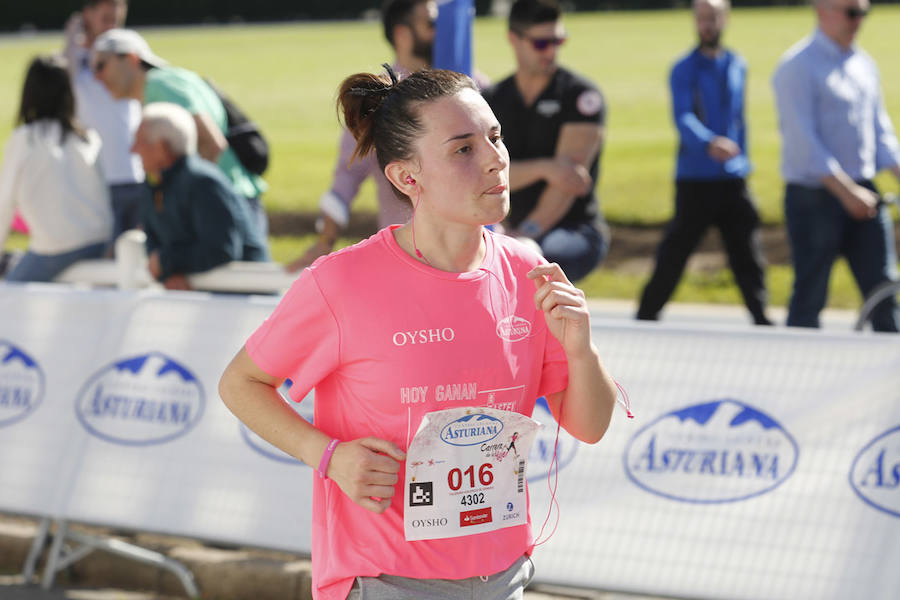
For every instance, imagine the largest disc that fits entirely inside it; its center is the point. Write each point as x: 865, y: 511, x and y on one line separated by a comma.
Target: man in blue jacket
x: 710, y: 183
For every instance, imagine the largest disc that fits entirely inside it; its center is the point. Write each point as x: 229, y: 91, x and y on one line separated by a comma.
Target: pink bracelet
x: 326, y: 458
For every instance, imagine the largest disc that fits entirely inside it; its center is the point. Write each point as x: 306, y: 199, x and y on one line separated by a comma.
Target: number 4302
x: 456, y: 477
x: 472, y: 499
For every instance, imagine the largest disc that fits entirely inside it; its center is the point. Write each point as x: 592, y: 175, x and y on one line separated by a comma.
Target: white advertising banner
x: 49, y: 337
x: 128, y: 430
x: 762, y: 463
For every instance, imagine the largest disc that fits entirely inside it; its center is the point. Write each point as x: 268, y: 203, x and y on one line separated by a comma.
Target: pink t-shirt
x: 384, y: 339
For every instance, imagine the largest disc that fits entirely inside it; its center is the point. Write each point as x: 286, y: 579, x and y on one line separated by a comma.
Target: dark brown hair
x: 383, y: 113
x: 47, y: 94
x: 397, y: 12
x: 525, y: 13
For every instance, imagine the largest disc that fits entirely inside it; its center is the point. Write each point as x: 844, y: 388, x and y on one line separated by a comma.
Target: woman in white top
x: 50, y: 173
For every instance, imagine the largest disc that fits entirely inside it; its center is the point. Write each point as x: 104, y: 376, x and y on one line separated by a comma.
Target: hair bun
x: 359, y: 98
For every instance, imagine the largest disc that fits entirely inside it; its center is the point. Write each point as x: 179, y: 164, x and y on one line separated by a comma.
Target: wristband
x: 326, y: 458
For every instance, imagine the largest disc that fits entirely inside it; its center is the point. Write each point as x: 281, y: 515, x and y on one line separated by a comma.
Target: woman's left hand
x: 564, y: 307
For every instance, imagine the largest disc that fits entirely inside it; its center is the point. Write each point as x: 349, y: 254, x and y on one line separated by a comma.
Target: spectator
x: 836, y: 135
x: 123, y: 61
x: 409, y: 29
x: 553, y: 126
x: 710, y: 179
x: 115, y: 120
x: 50, y: 172
x: 195, y: 221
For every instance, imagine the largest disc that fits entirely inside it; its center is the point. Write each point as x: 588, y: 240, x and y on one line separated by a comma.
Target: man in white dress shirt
x: 836, y: 135
x: 115, y: 120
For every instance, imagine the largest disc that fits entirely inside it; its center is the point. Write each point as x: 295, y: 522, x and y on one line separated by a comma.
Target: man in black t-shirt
x: 552, y: 122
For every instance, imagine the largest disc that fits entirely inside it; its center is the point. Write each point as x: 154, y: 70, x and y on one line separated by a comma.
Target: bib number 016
x: 457, y: 477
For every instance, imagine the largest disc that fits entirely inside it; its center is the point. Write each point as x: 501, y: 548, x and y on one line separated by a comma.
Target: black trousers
x: 727, y: 205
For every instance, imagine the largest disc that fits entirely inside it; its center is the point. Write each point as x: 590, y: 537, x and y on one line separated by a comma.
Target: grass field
x: 285, y: 76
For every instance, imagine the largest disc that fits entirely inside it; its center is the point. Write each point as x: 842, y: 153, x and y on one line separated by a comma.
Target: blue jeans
x: 126, y: 205
x: 260, y: 220
x: 45, y: 267
x: 820, y: 230
x: 576, y: 249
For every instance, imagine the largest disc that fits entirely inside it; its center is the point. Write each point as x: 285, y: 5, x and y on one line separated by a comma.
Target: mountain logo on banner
x: 540, y: 457
x: 719, y: 451
x: 471, y: 430
x: 875, y: 473
x: 21, y: 384
x: 305, y: 409
x: 141, y: 400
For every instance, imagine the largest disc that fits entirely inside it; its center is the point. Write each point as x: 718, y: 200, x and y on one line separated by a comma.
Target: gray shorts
x: 505, y: 585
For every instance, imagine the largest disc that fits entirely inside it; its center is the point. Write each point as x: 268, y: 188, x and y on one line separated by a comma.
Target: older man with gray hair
x: 708, y: 88
x: 194, y: 221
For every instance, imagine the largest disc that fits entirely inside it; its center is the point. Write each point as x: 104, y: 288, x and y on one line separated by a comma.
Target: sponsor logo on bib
x: 471, y: 430
x: 478, y: 516
x: 436, y: 522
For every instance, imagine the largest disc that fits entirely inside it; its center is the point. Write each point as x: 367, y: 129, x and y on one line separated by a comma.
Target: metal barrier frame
x: 878, y: 295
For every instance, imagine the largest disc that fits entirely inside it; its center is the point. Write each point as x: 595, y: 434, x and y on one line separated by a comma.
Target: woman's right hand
x: 367, y: 470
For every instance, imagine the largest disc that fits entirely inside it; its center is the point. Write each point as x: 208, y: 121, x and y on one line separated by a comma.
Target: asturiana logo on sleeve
x: 141, y: 400
x: 875, y: 473
x: 719, y: 451
x: 471, y: 430
x: 21, y: 384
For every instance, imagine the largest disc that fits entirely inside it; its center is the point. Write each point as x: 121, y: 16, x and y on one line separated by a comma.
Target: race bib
x: 465, y: 473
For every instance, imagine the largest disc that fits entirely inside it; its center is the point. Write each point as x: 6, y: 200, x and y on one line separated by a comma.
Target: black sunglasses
x: 544, y: 42
x: 856, y: 13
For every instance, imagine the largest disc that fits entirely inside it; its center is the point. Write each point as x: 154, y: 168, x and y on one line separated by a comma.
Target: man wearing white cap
x: 127, y: 66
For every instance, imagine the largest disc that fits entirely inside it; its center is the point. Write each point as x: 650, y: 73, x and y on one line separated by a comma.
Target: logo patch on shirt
x: 423, y: 336
x: 589, y: 103
x: 547, y: 108
x: 513, y: 328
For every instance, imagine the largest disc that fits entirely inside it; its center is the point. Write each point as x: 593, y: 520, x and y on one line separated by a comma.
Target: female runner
x: 435, y: 314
